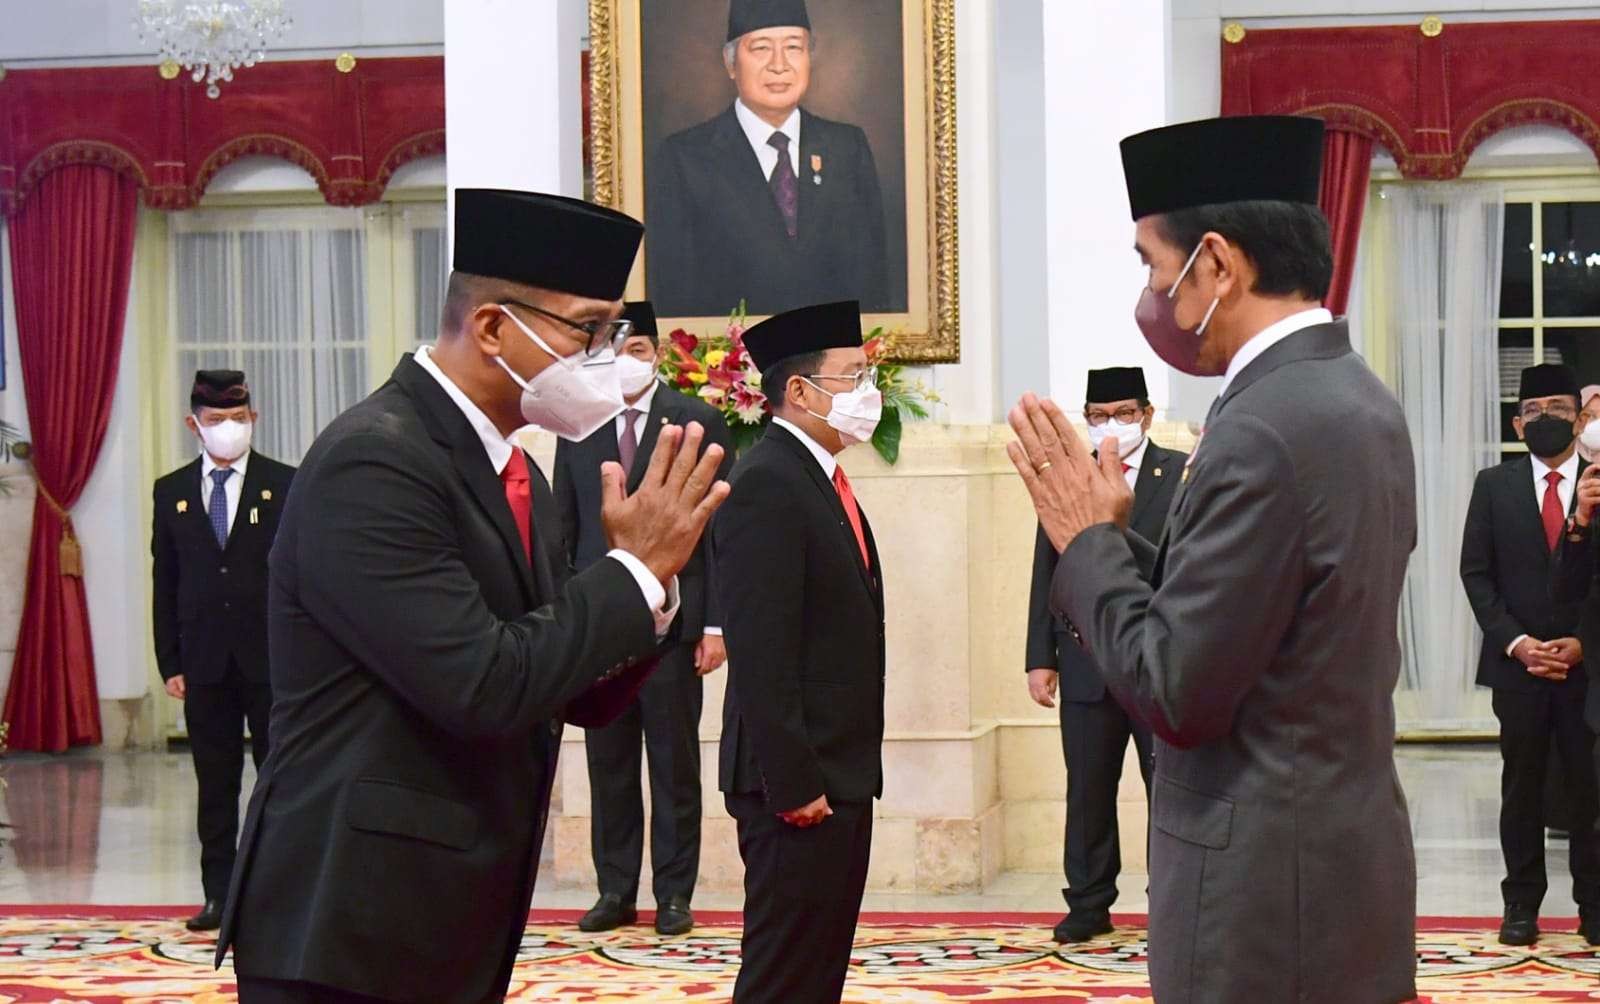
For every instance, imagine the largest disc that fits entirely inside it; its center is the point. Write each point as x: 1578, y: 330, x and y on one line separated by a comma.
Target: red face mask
x: 1178, y: 347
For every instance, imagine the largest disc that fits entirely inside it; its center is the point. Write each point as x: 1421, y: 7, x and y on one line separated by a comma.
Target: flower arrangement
x: 718, y: 370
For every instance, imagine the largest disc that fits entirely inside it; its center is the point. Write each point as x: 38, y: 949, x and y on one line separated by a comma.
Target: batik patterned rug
x: 60, y: 954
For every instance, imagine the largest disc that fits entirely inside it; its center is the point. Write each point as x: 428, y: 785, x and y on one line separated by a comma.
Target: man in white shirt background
x: 215, y: 519
x: 1532, y: 658
x: 663, y: 722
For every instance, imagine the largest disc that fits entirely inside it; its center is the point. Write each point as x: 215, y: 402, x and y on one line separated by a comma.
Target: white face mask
x: 572, y: 397
x: 634, y: 375
x: 226, y: 440
x: 1128, y: 437
x: 854, y: 415
x: 1590, y: 436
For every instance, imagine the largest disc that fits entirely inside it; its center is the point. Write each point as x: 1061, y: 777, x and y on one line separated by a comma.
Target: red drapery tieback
x: 1346, y: 170
x: 71, y: 260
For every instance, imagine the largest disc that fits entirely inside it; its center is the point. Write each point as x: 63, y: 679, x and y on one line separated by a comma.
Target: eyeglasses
x: 864, y: 378
x: 1563, y: 412
x: 597, y: 335
x: 1127, y: 415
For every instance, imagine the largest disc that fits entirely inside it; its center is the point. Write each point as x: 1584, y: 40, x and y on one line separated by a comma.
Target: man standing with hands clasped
x: 1258, y: 641
x: 1531, y: 657
x: 802, y: 598
x: 427, y: 644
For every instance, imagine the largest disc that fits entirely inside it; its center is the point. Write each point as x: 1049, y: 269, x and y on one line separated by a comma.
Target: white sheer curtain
x: 1443, y: 254
x: 282, y: 295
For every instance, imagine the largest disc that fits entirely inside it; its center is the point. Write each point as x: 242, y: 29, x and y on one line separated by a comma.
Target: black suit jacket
x: 1575, y: 578
x: 714, y: 235
x: 421, y: 670
x: 1506, y: 568
x: 803, y: 620
x: 1050, y: 641
x: 578, y: 491
x: 210, y: 602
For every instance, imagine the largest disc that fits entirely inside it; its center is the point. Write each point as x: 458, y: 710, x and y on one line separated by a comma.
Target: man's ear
x: 1230, y: 263
x: 485, y: 326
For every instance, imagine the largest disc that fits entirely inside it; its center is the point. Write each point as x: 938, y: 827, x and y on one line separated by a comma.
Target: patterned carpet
x: 55, y: 955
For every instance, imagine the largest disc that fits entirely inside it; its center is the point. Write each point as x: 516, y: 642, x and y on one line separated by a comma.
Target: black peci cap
x: 1548, y: 380
x: 1269, y: 158
x: 547, y: 241
x: 1121, y: 383
x: 804, y: 330
x: 745, y: 16
x: 219, y: 389
x: 643, y: 315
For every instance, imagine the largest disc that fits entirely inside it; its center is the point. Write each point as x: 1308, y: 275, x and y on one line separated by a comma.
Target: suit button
x: 226, y: 605
x: 555, y: 727
x: 224, y: 569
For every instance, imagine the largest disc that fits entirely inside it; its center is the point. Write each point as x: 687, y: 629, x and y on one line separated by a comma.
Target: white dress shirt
x: 662, y: 601
x: 642, y: 406
x: 1269, y: 336
x: 1134, y: 461
x: 1564, y: 490
x: 233, y: 487
x: 758, y: 132
x: 825, y: 459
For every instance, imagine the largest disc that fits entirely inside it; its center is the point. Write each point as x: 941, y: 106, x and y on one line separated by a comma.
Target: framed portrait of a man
x: 783, y: 153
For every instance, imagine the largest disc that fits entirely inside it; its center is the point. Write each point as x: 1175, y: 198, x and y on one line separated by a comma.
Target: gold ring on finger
x: 1041, y: 468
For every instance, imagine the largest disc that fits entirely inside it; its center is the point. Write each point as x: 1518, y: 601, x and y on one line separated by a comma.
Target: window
x: 314, y: 303
x: 1549, y: 290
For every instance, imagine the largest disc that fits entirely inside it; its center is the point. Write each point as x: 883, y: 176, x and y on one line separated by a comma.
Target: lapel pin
x: 183, y: 506
x: 1185, y: 478
x: 255, y: 516
x: 816, y: 169
x: 1156, y: 472
x: 266, y: 494
x: 664, y: 420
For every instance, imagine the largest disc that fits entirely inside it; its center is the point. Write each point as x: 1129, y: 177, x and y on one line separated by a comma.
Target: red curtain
x: 71, y: 259
x: 1346, y: 169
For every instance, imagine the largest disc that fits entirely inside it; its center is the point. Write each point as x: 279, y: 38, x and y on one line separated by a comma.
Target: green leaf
x: 887, y: 439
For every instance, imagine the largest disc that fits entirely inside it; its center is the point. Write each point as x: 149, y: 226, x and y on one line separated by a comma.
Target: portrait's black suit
x: 714, y: 234
x: 803, y: 715
x: 1507, y: 570
x: 421, y: 670
x: 210, y: 618
x: 1094, y: 728
x: 666, y: 715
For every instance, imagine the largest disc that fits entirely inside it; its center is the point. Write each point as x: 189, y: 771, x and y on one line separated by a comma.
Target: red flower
x: 685, y: 341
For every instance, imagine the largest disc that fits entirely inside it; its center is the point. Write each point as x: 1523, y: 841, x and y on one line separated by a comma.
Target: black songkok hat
x: 1268, y: 158
x: 1548, y: 380
x: 804, y: 330
x: 1121, y: 383
x: 219, y: 389
x: 548, y: 241
x: 745, y: 16
x: 643, y: 315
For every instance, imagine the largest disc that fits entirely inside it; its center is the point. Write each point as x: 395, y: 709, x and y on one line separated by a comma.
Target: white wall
x: 1022, y: 332
x: 102, y: 31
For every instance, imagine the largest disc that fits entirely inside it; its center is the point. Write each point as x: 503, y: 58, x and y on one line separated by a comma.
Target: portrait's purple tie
x: 785, y: 186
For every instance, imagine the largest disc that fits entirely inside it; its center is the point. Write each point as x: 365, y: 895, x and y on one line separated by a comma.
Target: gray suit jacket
x: 1260, y: 644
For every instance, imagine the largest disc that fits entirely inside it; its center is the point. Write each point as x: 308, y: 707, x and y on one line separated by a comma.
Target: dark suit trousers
x: 802, y: 897
x: 215, y: 714
x: 1094, y: 738
x: 663, y: 723
x: 259, y: 991
x: 1528, y: 722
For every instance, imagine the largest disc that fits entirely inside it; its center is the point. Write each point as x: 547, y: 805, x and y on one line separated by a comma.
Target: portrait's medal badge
x: 816, y: 169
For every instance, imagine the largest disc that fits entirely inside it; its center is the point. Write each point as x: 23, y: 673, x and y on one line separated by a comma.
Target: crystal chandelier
x: 210, y: 38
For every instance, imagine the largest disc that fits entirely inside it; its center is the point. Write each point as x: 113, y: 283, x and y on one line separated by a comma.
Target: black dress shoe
x: 208, y: 919
x: 673, y: 917
x: 609, y: 913
x: 1589, y: 927
x: 1520, y: 926
x: 1083, y: 925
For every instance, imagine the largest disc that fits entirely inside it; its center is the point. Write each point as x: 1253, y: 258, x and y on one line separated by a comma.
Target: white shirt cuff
x: 1511, y: 649
x: 714, y: 632
x: 662, y: 601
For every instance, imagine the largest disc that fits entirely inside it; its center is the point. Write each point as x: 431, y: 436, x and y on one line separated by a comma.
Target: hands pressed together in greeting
x: 1071, y: 490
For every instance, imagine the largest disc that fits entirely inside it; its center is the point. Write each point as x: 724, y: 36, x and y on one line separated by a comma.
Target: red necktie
x: 1554, y: 515
x: 852, y: 512
x: 520, y: 498
x: 1126, y: 468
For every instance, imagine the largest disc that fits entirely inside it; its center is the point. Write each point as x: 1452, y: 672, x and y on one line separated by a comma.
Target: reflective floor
x: 94, y: 827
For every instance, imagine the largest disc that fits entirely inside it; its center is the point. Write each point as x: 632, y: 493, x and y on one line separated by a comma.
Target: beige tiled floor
x: 118, y: 828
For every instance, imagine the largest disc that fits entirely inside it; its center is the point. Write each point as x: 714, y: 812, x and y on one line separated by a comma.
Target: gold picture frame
x: 928, y: 330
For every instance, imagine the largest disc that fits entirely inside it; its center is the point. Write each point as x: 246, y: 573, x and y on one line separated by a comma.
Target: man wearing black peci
x: 802, y: 600
x: 663, y: 722
x: 1094, y: 728
x: 215, y: 520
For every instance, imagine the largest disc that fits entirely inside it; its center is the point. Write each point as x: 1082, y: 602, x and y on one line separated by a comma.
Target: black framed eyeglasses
x: 1127, y: 415
x: 597, y: 335
x: 1556, y: 410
